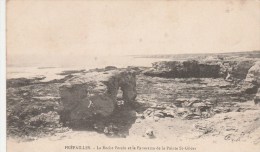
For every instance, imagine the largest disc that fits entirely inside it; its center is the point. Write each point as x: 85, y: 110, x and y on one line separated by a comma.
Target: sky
x: 87, y: 27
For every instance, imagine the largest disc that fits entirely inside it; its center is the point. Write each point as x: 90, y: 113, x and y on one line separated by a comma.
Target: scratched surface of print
x: 118, y: 76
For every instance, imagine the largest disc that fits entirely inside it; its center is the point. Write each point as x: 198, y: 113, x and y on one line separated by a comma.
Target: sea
x: 50, y: 68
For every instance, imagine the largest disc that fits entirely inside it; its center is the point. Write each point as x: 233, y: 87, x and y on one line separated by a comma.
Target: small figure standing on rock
x: 228, y: 77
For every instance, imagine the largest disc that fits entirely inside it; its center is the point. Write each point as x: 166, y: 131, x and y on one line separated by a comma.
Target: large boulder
x: 252, y: 80
x: 253, y: 74
x: 184, y: 69
x: 91, y: 95
x: 239, y: 68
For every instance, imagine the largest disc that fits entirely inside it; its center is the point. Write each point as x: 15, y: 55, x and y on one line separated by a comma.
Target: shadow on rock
x: 116, y: 125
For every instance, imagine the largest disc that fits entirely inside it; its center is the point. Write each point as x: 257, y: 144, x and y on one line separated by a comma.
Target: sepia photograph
x: 132, y: 75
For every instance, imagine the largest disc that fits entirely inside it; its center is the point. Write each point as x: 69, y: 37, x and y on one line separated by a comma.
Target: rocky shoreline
x: 190, y: 98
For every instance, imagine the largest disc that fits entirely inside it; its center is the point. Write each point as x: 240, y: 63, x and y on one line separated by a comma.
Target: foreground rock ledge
x: 92, y: 95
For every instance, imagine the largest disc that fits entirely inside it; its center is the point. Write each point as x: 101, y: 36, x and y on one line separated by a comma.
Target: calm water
x: 51, y: 69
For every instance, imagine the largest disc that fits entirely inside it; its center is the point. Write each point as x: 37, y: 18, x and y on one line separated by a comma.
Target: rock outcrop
x: 252, y: 81
x: 229, y: 69
x: 254, y: 74
x: 108, y: 68
x: 92, y: 95
x: 237, y: 68
x: 184, y: 69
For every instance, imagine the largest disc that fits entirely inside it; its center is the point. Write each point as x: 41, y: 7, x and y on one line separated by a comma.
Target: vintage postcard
x: 132, y: 75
